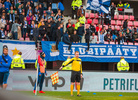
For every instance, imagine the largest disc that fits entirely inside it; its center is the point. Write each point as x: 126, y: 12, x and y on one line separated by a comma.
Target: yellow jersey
x: 76, y: 64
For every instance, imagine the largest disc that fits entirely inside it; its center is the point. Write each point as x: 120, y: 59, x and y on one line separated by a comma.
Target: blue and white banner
x: 27, y: 49
x: 98, y: 5
x: 97, y: 52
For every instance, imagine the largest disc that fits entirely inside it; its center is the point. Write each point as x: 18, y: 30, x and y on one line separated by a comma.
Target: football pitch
x: 56, y: 95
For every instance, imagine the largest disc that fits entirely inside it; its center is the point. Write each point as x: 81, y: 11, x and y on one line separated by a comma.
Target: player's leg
x: 41, y: 82
x: 78, y: 78
x: 5, y: 78
x: 38, y: 81
x: 72, y: 82
x: 1, y: 79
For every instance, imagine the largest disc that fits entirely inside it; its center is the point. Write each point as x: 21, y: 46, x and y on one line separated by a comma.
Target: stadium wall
x: 91, y: 81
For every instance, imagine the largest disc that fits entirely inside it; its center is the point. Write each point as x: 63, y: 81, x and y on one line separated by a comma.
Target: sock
x: 78, y: 89
x: 71, y: 89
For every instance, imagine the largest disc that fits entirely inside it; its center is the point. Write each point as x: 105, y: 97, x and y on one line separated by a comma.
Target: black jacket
x: 42, y: 31
x: 80, y: 30
x: 75, y: 38
x: 36, y: 32
x: 87, y: 35
x: 92, y: 28
x: 125, y: 24
x: 58, y: 35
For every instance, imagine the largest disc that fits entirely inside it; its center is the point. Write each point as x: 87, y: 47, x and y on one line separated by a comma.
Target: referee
x: 76, y: 74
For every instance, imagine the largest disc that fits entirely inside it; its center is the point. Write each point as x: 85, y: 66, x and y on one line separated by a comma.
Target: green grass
x: 54, y: 95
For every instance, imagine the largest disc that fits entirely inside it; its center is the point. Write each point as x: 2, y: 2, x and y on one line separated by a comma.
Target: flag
x: 98, y: 5
x: 55, y: 78
x: 27, y: 49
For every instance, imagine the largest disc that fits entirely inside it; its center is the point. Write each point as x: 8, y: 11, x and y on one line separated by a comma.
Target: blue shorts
x: 4, y: 77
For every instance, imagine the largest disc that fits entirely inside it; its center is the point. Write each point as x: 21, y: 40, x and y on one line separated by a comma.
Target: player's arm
x: 81, y: 69
x: 66, y: 63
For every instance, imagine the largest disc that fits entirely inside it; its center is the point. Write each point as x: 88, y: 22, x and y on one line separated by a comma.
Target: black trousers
x: 74, y: 12
x: 57, y: 42
x: 69, y: 43
x: 87, y: 41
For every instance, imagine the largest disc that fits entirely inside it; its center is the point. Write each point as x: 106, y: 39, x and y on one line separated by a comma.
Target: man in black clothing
x: 80, y: 32
x: 87, y: 36
x: 66, y: 40
x: 92, y: 28
x: 75, y: 38
x: 49, y: 3
x: 42, y: 29
x: 36, y: 34
x: 112, y: 10
x: 58, y: 37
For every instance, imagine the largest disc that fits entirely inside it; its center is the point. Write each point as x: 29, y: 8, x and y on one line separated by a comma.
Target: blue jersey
x: 4, y: 67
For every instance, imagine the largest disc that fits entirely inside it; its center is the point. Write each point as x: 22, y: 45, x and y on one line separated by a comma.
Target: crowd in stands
x: 113, y: 28
x: 26, y: 21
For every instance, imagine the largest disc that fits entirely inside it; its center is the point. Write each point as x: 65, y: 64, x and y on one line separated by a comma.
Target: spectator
x: 45, y: 17
x: 128, y: 36
x: 112, y: 10
x: 49, y: 3
x: 19, y: 10
x: 61, y: 30
x: 29, y: 19
x: 87, y: 36
x: 11, y: 9
x: 80, y: 11
x: 48, y: 27
x: 127, y: 5
x: 135, y: 37
x: 98, y: 28
x: 120, y: 4
x: 7, y: 5
x: 24, y: 28
x: 3, y: 9
x: 107, y: 19
x: 80, y: 32
x: 31, y: 32
x: 58, y: 23
x: 32, y: 4
x: 2, y: 34
x: 92, y: 28
x: 59, y: 15
x: 109, y: 30
x: 36, y: 34
x: 107, y: 37
x: 40, y: 10
x: 66, y: 40
x: 115, y: 33
x: 49, y: 11
x: 58, y: 37
x: 125, y: 25
x: 53, y: 31
x: 101, y: 36
x: 11, y: 17
x: 70, y: 30
x: 82, y: 19
x: 14, y: 30
x: 69, y: 21
x: 46, y: 38
x: 0, y: 4
x: 75, y: 5
x: 77, y: 25
x: 93, y: 38
x: 17, y: 4
x: 42, y: 30
x: 134, y: 29
x: 2, y: 22
x: 74, y: 37
x: 60, y: 6
x: 29, y: 10
x: 36, y: 10
x: 121, y: 38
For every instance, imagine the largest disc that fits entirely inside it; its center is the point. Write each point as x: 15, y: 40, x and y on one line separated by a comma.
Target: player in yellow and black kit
x: 76, y: 74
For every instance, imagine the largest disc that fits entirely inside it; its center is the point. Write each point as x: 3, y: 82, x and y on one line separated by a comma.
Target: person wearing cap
x: 18, y: 62
x: 41, y: 71
x: 5, y: 62
x: 123, y: 65
x: 80, y: 11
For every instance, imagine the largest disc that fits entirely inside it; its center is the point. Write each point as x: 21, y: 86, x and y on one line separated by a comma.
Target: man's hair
x: 76, y: 52
x: 20, y: 53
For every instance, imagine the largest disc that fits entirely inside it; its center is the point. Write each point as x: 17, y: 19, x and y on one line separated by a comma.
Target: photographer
x: 5, y: 62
